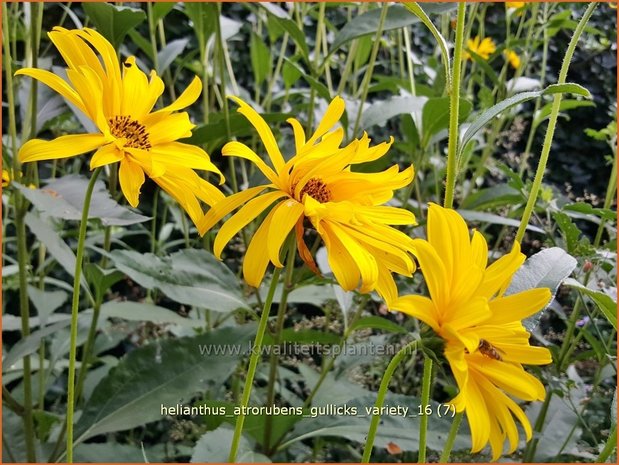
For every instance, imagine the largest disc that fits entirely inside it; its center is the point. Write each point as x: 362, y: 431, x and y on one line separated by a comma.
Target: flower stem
x: 425, y: 400
x: 380, y: 398
x: 74, y: 312
x: 453, y: 432
x: 454, y: 108
x: 279, y: 327
x: 611, y: 445
x: 254, y: 358
x: 552, y: 123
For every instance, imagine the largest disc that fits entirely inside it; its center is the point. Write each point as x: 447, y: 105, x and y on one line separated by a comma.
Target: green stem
x: 380, y: 398
x: 368, y: 74
x: 529, y: 452
x: 453, y: 432
x: 74, y: 312
x: 552, y: 122
x: 610, y: 446
x: 425, y: 400
x: 22, y: 249
x: 256, y: 354
x: 454, y: 110
x: 279, y: 327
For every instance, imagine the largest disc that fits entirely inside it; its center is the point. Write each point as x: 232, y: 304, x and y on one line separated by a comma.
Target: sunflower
x: 120, y: 103
x: 317, y: 184
x: 512, y: 58
x: 485, y: 341
x: 484, y: 48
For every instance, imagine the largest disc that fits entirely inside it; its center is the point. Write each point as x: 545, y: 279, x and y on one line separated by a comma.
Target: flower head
x: 515, y: 5
x: 317, y: 184
x: 513, y: 58
x: 485, y: 341
x: 484, y: 48
x: 119, y: 101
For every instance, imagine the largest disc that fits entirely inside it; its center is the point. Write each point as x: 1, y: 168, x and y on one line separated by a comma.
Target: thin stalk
x: 610, y: 195
x: 453, y: 432
x: 22, y: 250
x: 256, y: 353
x: 454, y: 103
x: 425, y: 400
x: 610, y: 446
x: 368, y: 74
x: 380, y: 398
x: 74, y: 312
x: 279, y: 327
x: 552, y: 122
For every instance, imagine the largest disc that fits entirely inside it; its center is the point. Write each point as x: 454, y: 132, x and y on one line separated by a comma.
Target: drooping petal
x: 55, y: 83
x: 419, y: 307
x: 170, y: 128
x: 106, y: 155
x: 186, y: 155
x: 341, y: 262
x: 131, y: 177
x: 434, y: 272
x: 61, y: 147
x: 238, y: 149
x: 256, y: 258
x: 285, y: 216
x: 227, y: 205
x: 242, y: 218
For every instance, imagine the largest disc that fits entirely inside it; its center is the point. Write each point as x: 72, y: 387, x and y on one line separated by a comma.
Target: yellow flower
x: 6, y: 178
x: 484, y: 48
x: 317, y: 184
x: 513, y: 58
x: 485, y: 341
x: 120, y: 103
x: 515, y: 4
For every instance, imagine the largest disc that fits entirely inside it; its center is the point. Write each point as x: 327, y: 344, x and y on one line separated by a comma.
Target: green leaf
x: 542, y: 114
x: 191, y: 276
x: 64, y: 198
x: 492, y: 112
x: 137, y: 311
x: 46, y: 302
x: 435, y: 116
x: 101, y: 279
x: 382, y: 111
x: 398, y: 429
x: 377, y: 322
x: 367, y: 23
x: 161, y: 9
x: 296, y: 34
x: 495, y: 196
x: 418, y: 11
x: 160, y: 374
x: 290, y: 74
x: 168, y: 54
x: 604, y: 302
x: 315, y: 84
x: 587, y: 209
x: 547, y: 268
x: 491, y: 218
x: 55, y: 245
x: 203, y: 17
x: 214, y: 446
x: 570, y: 231
x: 260, y: 56
x: 113, y: 22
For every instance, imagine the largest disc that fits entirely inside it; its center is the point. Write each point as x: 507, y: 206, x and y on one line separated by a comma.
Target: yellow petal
x: 56, y: 83
x: 189, y: 96
x: 299, y: 133
x: 264, y: 131
x: 511, y: 378
x: 434, y: 272
x: 131, y: 177
x: 242, y: 218
x: 238, y: 149
x: 257, y: 257
x: 184, y: 191
x: 186, y: 155
x: 342, y: 265
x: 334, y: 112
x: 285, y: 216
x: 134, y: 83
x: 61, y: 147
x: 385, y: 286
x: 499, y: 274
x: 518, y: 306
x: 479, y: 250
x: 106, y: 155
x: 228, y: 204
x: 169, y: 129
x: 419, y: 307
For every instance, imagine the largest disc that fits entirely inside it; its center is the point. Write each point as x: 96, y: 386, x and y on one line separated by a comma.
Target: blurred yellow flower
x: 515, y: 4
x: 484, y: 48
x: 120, y: 103
x: 513, y: 58
x: 485, y: 341
x: 8, y: 178
x: 317, y: 184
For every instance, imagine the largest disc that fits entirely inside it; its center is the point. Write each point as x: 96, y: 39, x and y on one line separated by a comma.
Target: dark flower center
x: 317, y: 189
x: 134, y: 132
